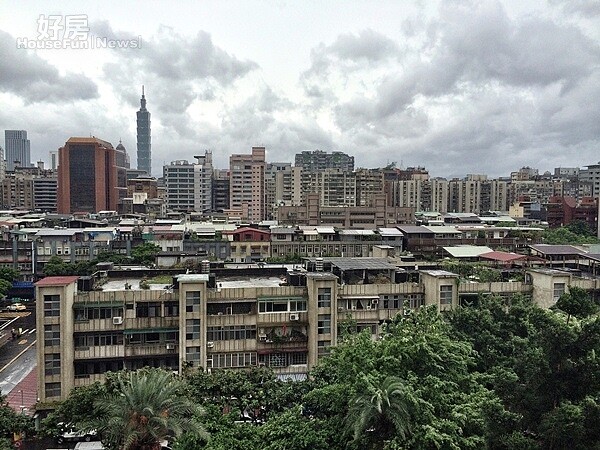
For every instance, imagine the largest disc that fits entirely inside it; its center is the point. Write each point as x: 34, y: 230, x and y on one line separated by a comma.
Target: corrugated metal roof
x: 357, y: 232
x: 389, y: 232
x: 325, y: 230
x: 467, y: 251
x: 358, y: 263
x: 502, y: 256
x: 548, y: 249
x: 441, y: 229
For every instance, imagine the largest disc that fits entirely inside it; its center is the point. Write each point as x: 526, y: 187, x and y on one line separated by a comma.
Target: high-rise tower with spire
x: 144, y: 154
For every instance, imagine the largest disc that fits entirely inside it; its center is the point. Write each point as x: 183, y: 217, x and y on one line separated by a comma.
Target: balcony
x: 160, y: 348
x: 87, y: 379
x: 95, y: 352
x: 283, y: 317
x: 152, y: 322
x: 495, y: 287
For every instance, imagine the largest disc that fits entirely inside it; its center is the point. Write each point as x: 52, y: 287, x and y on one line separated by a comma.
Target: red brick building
x: 561, y: 211
x: 87, y: 176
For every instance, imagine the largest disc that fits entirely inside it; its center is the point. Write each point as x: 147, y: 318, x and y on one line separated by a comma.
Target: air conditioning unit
x: 170, y: 346
x: 294, y: 316
x: 262, y: 337
x: 117, y: 320
x: 375, y: 301
x: 210, y: 344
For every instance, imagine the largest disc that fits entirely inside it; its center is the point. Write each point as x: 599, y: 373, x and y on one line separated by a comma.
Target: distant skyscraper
x: 2, y: 164
x: 87, y: 176
x: 144, y: 154
x: 18, y: 151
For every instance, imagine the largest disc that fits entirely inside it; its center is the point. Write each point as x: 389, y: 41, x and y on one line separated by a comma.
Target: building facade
x: 87, y: 176
x: 144, y: 141
x: 18, y: 149
x: 247, y: 184
x: 189, y: 185
x: 317, y: 160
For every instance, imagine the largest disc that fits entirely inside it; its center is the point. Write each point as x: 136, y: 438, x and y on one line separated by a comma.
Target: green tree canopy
x: 146, y: 407
x: 145, y: 253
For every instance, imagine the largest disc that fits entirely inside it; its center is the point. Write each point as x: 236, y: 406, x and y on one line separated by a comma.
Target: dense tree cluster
x: 576, y: 233
x: 503, y: 374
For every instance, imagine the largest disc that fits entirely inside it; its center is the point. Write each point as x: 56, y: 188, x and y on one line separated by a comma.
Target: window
x: 323, y: 348
x: 298, y: 305
x: 234, y: 332
x: 52, y: 389
x: 151, y: 309
x: 324, y: 324
x: 83, y: 341
x: 51, y: 305
x: 559, y: 289
x: 171, y: 309
x: 52, y: 364
x: 192, y: 301
x: 89, y: 313
x: 51, y: 335
x: 282, y: 305
x: 324, y: 298
x: 446, y: 294
x: 192, y: 329
x: 229, y: 360
x: 192, y: 354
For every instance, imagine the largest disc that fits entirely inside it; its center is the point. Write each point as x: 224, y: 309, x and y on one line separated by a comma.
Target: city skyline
x: 463, y: 88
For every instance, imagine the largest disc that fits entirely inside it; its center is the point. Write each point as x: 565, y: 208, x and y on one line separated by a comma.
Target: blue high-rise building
x: 18, y: 151
x: 144, y: 154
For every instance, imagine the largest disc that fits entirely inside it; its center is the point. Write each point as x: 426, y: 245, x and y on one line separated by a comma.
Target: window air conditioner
x: 117, y: 320
x: 294, y: 316
x: 170, y: 346
x: 210, y: 344
x: 262, y: 337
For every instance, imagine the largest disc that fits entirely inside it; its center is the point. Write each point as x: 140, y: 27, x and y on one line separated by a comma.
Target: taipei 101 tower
x: 144, y: 155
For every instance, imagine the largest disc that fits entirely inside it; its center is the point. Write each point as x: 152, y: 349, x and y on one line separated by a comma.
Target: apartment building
x: 318, y: 160
x: 237, y: 321
x: 335, y: 187
x: 189, y: 185
x: 247, y: 184
x: 373, y: 216
x: 279, y: 187
x: 591, y: 174
x: 231, y: 324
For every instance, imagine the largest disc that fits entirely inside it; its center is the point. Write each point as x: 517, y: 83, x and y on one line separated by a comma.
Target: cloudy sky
x: 456, y: 86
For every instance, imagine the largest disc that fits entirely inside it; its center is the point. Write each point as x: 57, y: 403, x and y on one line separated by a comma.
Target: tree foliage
x: 145, y: 253
x: 147, y: 407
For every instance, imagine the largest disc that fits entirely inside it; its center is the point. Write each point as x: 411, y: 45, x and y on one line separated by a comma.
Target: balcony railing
x: 105, y: 351
x: 162, y: 348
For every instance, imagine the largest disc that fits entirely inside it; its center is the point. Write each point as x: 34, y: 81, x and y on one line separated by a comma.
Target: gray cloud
x: 177, y: 70
x: 472, y: 89
x: 583, y: 7
x: 34, y: 80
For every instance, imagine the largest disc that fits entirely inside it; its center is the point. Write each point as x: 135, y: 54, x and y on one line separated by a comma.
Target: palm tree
x: 146, y: 407
x: 380, y: 412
